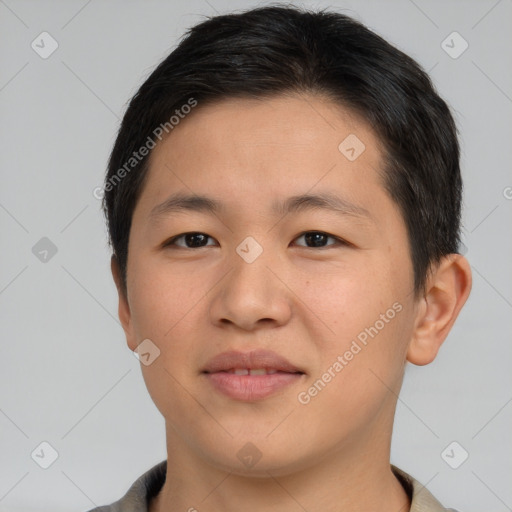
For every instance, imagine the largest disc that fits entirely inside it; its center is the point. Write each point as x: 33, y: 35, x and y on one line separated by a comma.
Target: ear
x: 123, y: 308
x: 447, y: 290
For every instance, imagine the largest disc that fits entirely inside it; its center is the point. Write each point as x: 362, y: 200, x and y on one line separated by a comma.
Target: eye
x: 191, y: 240
x: 195, y: 240
x: 318, y: 239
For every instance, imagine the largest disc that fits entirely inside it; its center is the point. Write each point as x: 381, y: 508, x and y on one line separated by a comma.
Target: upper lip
x: 255, y: 359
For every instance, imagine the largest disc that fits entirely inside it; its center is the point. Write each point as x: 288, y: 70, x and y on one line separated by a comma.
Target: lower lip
x: 251, y: 387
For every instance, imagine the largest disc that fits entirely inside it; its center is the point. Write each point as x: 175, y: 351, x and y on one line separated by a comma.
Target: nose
x: 253, y: 294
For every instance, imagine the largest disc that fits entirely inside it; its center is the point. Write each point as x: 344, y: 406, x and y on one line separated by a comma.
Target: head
x: 251, y: 111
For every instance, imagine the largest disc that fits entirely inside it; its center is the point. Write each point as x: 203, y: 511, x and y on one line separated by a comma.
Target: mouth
x: 250, y: 376
x: 253, y: 371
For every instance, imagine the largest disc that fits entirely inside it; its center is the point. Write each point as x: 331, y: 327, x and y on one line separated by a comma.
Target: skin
x: 304, y: 302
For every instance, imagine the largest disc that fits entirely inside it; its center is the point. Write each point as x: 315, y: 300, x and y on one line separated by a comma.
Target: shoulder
x: 140, y: 493
x: 422, y: 500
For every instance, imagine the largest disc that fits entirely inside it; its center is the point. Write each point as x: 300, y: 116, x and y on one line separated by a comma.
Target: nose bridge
x: 252, y: 279
x: 251, y: 291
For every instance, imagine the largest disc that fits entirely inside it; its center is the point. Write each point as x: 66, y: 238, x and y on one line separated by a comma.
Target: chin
x: 258, y: 458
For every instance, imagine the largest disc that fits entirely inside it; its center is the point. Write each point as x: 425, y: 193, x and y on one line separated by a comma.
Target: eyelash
x: 340, y: 241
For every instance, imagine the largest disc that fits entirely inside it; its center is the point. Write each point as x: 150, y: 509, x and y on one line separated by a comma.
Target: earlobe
x: 123, y: 307
x: 446, y: 292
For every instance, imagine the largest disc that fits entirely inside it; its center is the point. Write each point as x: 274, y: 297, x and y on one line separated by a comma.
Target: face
x: 282, y: 322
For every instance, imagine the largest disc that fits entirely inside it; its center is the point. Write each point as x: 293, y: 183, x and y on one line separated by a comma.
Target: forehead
x: 279, y: 140
x: 295, y: 121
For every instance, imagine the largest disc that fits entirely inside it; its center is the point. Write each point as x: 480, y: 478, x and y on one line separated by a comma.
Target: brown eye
x: 318, y: 239
x: 190, y: 240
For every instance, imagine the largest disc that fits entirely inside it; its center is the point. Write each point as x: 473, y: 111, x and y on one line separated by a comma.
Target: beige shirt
x: 149, y: 484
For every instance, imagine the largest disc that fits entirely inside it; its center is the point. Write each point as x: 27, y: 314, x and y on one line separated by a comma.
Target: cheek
x: 160, y: 301
x: 345, y: 302
x: 366, y: 324
x: 163, y: 308
x: 168, y: 307
x: 360, y: 373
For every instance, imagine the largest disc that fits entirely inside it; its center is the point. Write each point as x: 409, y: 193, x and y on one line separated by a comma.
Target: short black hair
x: 281, y: 49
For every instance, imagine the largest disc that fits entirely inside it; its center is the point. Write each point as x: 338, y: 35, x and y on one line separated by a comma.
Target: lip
x: 251, y: 387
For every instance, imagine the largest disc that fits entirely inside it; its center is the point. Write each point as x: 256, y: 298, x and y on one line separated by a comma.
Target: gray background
x: 66, y: 375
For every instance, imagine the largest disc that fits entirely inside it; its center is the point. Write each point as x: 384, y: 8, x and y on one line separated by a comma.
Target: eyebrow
x: 180, y: 203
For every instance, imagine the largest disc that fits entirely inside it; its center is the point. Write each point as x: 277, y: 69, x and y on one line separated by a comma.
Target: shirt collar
x: 421, y: 499
x: 149, y: 484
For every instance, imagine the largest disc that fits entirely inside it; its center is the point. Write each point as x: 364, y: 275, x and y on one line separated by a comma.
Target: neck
x: 349, y: 478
